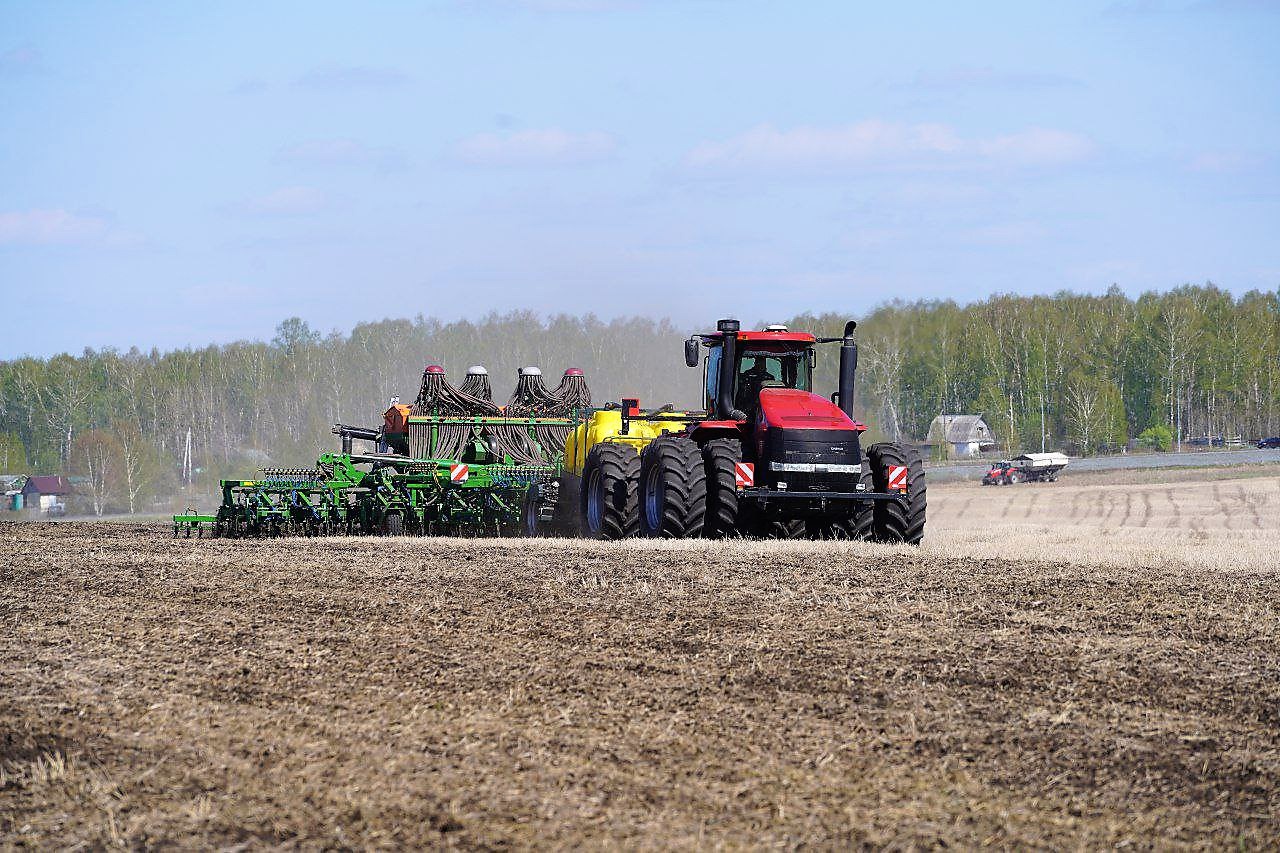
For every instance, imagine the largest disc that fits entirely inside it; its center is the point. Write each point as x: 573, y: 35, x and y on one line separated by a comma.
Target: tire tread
x: 903, y: 519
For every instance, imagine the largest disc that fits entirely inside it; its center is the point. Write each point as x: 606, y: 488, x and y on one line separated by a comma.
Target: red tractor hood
x: 788, y: 408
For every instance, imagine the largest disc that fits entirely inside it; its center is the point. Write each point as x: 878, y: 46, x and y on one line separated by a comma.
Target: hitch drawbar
x: 770, y: 494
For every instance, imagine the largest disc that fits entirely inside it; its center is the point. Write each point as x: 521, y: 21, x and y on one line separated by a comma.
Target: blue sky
x: 173, y: 174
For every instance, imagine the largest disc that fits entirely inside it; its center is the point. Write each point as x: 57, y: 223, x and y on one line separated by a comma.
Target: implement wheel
x: 393, y: 524
x: 561, y: 499
x: 610, y: 477
x: 567, y: 520
x: 673, y: 488
x: 538, y: 498
x: 901, y: 519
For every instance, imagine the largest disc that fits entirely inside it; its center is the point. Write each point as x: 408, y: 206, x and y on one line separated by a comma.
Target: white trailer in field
x: 1043, y: 467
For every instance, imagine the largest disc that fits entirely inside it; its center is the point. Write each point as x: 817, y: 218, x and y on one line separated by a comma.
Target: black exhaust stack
x: 848, y: 368
x: 728, y: 330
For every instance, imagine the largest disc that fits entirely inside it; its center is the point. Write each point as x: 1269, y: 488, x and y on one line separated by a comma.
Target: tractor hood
x: 789, y: 408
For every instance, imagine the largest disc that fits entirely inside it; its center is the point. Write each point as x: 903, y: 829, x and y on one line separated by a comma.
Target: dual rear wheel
x: 659, y: 493
x: 673, y: 488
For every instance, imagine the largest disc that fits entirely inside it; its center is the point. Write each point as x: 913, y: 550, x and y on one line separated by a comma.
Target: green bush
x: 1158, y: 437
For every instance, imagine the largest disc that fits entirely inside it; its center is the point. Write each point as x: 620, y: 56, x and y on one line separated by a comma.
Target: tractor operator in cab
x: 750, y: 382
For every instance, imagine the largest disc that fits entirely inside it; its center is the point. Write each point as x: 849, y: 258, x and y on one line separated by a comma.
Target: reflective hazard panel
x: 745, y: 474
x: 458, y: 473
x: 897, y: 478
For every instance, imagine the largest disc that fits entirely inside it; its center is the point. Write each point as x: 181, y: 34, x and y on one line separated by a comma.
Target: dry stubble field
x: 1060, y: 666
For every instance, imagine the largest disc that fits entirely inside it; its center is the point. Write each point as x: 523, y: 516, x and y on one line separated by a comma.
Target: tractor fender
x: 707, y: 430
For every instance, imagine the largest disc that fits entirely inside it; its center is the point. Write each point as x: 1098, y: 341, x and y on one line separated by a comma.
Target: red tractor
x: 1002, y: 473
x: 768, y: 458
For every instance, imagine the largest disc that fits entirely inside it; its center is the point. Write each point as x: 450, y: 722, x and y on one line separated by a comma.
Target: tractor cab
x: 743, y: 369
x: 773, y: 358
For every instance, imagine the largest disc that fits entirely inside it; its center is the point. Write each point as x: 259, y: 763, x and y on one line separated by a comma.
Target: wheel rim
x: 594, y: 499
x: 653, y: 499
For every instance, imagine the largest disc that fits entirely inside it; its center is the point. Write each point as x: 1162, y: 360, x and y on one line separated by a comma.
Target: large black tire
x: 567, y: 519
x: 610, y: 508
x: 673, y: 488
x: 719, y: 456
x: 901, y: 519
x: 393, y: 524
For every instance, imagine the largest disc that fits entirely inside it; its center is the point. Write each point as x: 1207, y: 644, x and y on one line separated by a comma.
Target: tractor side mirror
x: 691, y: 358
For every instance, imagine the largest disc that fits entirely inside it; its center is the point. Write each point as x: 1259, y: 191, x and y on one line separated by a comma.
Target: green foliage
x: 13, y: 454
x: 1095, y: 414
x: 143, y: 469
x: 1196, y: 359
x: 1158, y: 437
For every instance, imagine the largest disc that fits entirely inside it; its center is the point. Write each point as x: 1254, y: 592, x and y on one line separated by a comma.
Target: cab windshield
x: 759, y: 369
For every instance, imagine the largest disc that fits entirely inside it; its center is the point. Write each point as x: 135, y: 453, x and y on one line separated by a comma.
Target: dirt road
x: 1122, y: 687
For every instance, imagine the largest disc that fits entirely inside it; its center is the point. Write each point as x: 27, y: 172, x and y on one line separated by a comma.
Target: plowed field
x: 1051, y: 677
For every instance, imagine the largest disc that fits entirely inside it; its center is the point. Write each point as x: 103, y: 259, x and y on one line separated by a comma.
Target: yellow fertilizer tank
x: 607, y: 426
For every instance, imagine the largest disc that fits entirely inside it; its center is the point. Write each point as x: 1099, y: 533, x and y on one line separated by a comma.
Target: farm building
x: 46, y: 493
x: 960, y: 435
x: 11, y: 486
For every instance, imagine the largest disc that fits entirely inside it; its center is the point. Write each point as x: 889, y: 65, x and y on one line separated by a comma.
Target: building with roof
x: 961, y: 435
x: 11, y: 485
x: 46, y: 494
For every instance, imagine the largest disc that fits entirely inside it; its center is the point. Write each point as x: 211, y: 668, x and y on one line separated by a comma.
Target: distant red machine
x: 1027, y: 468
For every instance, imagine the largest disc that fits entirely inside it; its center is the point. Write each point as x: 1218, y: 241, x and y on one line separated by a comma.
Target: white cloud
x: 341, y: 152
x: 1036, y: 146
x: 876, y: 143
x: 286, y: 201
x: 1224, y: 161
x: 549, y: 147
x: 51, y: 227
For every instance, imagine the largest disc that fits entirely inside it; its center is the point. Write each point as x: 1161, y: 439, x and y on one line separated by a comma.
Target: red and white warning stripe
x: 744, y: 473
x: 897, y: 478
x: 458, y: 473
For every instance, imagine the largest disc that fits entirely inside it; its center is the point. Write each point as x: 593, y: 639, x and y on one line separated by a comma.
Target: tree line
x: 1081, y: 372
